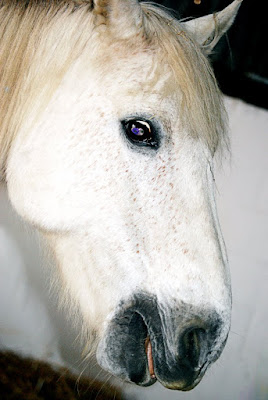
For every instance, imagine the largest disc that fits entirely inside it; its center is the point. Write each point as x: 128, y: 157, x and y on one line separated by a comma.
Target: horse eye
x: 141, y: 133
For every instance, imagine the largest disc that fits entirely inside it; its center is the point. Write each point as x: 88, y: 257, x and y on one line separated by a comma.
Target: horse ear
x: 208, y: 30
x: 124, y: 17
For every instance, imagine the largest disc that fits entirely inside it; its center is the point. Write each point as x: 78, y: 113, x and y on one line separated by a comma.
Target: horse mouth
x: 176, y: 386
x: 141, y: 347
x: 172, y: 386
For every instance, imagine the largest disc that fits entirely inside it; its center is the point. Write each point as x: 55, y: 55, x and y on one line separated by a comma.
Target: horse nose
x: 193, y: 346
x: 148, y: 341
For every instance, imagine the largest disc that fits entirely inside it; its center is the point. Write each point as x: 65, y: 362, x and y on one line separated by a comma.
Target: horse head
x: 115, y: 171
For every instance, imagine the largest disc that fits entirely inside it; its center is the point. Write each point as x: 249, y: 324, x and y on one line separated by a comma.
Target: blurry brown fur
x: 27, y: 378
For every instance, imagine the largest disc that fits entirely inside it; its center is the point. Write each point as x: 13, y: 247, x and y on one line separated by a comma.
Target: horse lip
x: 179, y: 385
x: 182, y: 386
x: 150, y: 382
x: 198, y: 378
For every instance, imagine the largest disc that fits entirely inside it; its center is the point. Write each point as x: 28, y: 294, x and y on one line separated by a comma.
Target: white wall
x: 30, y: 322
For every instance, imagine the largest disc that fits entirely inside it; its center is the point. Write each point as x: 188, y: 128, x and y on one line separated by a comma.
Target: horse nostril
x: 193, y: 345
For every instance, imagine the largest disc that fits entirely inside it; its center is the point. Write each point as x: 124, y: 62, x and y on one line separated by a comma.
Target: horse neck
x: 37, y: 46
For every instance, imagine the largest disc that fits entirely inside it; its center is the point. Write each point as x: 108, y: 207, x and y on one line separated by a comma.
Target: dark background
x: 240, y: 59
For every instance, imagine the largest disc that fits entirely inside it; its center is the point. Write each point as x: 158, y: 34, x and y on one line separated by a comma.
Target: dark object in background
x: 29, y: 379
x: 240, y: 60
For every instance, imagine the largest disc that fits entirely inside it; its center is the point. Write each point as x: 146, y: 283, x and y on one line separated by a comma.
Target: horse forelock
x: 34, y: 58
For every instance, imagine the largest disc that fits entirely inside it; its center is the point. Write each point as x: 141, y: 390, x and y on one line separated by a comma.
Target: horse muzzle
x: 146, y: 341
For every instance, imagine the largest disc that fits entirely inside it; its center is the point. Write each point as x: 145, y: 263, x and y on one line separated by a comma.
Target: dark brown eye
x: 140, y: 132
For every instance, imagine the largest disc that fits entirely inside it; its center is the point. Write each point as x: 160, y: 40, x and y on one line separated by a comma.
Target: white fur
x: 103, y: 202
x: 120, y: 221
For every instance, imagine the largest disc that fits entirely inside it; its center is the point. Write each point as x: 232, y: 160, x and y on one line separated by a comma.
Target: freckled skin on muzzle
x: 182, y: 343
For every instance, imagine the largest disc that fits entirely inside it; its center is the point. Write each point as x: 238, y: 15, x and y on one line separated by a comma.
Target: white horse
x: 110, y: 118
